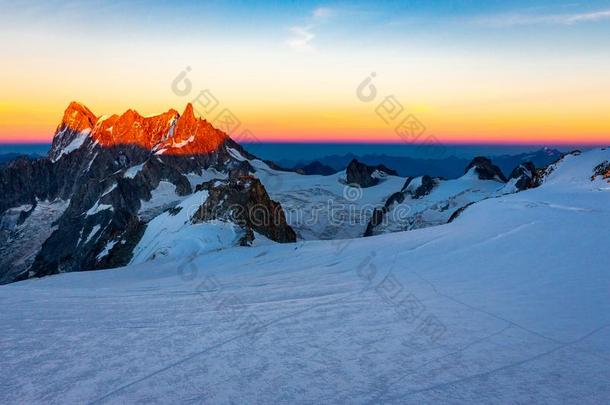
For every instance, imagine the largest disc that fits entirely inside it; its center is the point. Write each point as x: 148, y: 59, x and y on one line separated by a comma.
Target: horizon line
x: 374, y: 142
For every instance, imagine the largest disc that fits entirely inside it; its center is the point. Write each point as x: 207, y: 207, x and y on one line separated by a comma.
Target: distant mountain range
x: 9, y: 157
x: 450, y: 167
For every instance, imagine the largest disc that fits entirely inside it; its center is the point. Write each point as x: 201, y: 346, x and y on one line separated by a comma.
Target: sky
x: 462, y: 71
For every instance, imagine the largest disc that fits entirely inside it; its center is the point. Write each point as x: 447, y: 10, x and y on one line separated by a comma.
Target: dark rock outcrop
x: 248, y: 237
x: 485, y: 169
x: 603, y: 170
x: 315, y: 167
x: 245, y: 201
x: 458, y: 212
x: 427, y: 184
x: 376, y: 220
x: 379, y: 213
x: 407, y: 183
x: 362, y: 174
x: 525, y: 175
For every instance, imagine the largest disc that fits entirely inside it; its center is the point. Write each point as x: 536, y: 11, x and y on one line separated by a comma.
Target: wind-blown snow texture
x: 507, y: 304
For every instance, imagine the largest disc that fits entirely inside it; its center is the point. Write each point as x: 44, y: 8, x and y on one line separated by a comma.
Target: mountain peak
x: 485, y: 169
x: 192, y: 136
x: 77, y: 117
x: 188, y: 112
x: 131, y: 114
x: 165, y: 133
x: 75, y: 126
x: 77, y: 105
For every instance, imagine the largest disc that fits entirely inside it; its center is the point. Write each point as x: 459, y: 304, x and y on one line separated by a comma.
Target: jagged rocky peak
x: 77, y: 117
x: 188, y: 116
x: 75, y: 126
x: 168, y: 133
x: 523, y: 168
x: 131, y: 128
x: 525, y: 176
x: 364, y: 175
x: 192, y: 136
x: 485, y: 169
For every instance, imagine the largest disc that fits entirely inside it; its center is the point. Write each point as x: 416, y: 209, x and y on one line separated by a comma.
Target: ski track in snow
x: 508, y: 366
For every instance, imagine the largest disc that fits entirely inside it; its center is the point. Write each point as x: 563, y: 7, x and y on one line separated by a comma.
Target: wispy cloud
x: 576, y: 18
x: 516, y: 19
x: 321, y: 13
x: 301, y: 38
x: 302, y: 35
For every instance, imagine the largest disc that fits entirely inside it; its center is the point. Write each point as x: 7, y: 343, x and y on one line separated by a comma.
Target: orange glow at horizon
x: 512, y: 124
x: 383, y: 136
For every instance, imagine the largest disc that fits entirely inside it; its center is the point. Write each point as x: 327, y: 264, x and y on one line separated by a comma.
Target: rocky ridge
x: 110, y: 175
x: 364, y: 175
x: 485, y: 169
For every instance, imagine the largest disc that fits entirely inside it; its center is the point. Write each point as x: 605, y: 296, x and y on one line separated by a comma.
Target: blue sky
x: 480, y: 69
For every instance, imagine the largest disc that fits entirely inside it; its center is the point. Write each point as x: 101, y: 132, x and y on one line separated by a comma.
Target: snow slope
x: 510, y: 303
x: 173, y: 235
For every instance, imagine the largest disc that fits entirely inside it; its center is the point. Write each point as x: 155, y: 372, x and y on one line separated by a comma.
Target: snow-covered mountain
x: 507, y: 303
x: 89, y: 203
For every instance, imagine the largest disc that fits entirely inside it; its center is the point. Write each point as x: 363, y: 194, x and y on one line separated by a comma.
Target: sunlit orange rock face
x: 192, y: 136
x: 169, y: 133
x: 78, y: 118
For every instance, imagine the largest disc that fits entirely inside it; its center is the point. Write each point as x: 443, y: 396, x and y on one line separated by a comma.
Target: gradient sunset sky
x: 470, y: 71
